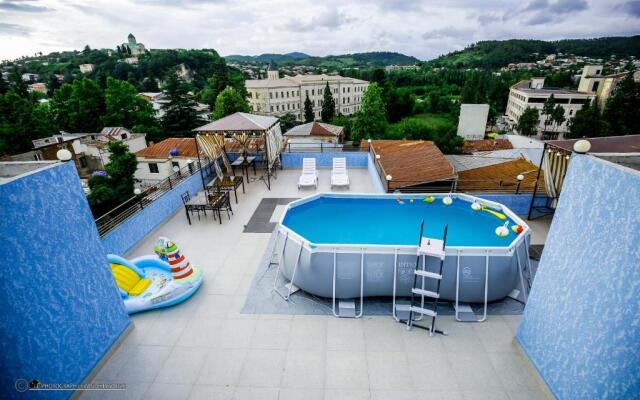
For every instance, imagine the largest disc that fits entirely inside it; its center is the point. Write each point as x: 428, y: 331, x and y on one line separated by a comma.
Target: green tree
x: 53, y: 84
x: 77, y: 107
x: 587, y: 122
x: 621, y: 111
x: 180, y: 115
x: 345, y: 122
x: 411, y: 128
x: 18, y: 86
x: 528, y: 122
x: 4, y: 86
x: 370, y: 121
x: 449, y: 142
x: 109, y: 191
x: 21, y: 121
x: 547, y: 111
x: 558, y: 117
x: 328, y: 105
x: 308, y: 110
x: 288, y: 121
x: 228, y: 102
x: 123, y: 106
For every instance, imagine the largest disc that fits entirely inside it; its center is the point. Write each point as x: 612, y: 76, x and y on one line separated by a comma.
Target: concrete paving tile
x: 346, y: 370
x: 183, y: 365
x: 263, y: 368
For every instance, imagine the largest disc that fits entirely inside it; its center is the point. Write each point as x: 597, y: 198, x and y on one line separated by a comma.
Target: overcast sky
x: 421, y: 28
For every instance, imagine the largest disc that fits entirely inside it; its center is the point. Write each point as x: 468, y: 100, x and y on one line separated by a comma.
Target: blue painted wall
x: 581, y: 325
x: 61, y: 310
x: 518, y: 203
x: 355, y: 159
x: 373, y: 174
x: 134, y: 229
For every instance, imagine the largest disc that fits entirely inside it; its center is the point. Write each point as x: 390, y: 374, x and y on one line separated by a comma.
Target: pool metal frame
x: 457, y: 251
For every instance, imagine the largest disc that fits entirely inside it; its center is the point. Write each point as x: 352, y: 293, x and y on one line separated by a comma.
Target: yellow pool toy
x: 429, y: 199
x: 497, y: 214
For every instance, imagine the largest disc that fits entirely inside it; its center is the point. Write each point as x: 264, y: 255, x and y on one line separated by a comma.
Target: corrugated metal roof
x: 412, y: 162
x: 471, y: 146
x: 609, y: 144
x: 500, y: 177
x: 186, y: 148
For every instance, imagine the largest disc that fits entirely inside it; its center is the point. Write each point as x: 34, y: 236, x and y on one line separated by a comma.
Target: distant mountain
x: 499, y: 53
x: 356, y: 60
x: 265, y: 58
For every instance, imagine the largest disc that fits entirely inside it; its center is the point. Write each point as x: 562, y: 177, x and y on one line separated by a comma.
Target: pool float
x: 502, y: 230
x: 475, y: 206
x: 399, y: 200
x: 155, y: 281
x: 411, y: 200
x: 447, y: 201
x: 499, y: 215
x: 429, y: 199
x: 517, y: 229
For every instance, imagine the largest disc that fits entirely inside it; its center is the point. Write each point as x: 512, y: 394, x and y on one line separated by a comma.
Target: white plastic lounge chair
x: 339, y: 176
x: 309, y: 175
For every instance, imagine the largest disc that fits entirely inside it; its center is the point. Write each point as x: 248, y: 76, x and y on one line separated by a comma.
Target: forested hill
x: 360, y: 60
x: 499, y: 53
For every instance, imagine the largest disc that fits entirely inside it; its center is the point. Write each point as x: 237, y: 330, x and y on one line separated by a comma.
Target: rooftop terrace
x: 215, y: 346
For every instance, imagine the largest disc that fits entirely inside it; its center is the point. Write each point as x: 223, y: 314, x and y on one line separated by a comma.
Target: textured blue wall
x: 134, y: 229
x: 61, y: 310
x: 581, y: 325
x: 355, y: 159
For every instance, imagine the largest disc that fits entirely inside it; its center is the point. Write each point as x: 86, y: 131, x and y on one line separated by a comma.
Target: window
x: 595, y: 86
x: 276, y: 95
x: 307, y: 92
x: 313, y: 92
x: 124, y: 136
x: 270, y: 95
x: 153, y: 168
x: 271, y: 108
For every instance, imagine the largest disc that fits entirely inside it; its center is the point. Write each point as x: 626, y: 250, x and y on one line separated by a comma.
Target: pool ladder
x: 427, y: 247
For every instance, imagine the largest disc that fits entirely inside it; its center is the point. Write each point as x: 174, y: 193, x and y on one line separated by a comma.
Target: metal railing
x: 113, y: 218
x: 320, y: 147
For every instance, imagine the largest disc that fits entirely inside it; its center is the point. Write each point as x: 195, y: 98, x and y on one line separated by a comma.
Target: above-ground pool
x: 355, y: 245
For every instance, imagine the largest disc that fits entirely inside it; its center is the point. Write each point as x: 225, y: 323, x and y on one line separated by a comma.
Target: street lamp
x: 137, y: 192
x: 582, y: 146
x: 64, y: 155
x: 520, y: 178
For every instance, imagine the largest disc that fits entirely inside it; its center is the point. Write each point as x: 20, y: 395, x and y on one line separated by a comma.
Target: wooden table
x: 228, y: 184
x: 244, y: 164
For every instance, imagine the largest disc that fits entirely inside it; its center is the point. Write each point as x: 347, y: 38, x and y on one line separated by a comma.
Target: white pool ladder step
x: 423, y: 311
x: 427, y: 247
x: 425, y: 293
x: 428, y: 274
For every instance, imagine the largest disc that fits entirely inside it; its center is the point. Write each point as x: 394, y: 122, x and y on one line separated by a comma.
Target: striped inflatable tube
x: 180, y: 266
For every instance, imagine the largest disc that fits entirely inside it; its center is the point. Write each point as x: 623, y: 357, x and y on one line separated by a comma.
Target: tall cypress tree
x: 180, y: 114
x: 308, y: 110
x: 328, y: 105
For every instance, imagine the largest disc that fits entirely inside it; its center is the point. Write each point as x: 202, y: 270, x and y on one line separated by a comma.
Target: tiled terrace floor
x: 206, y: 349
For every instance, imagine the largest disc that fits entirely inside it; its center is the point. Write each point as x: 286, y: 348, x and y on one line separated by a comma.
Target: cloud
x: 329, y: 19
x: 540, y: 12
x: 21, y: 6
x: 448, y: 32
x: 7, y: 29
x: 631, y: 7
x: 486, y: 19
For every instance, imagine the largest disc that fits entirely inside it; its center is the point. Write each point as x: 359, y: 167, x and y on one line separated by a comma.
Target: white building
x: 86, y: 68
x: 592, y: 81
x: 159, y: 99
x: 277, y: 96
x: 157, y: 162
x: 533, y: 94
x: 473, y: 121
x: 91, y: 149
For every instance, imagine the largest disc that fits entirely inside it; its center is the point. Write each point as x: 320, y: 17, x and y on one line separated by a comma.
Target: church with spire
x: 135, y: 47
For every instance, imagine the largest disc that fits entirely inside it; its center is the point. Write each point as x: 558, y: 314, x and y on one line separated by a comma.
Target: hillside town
x: 186, y: 225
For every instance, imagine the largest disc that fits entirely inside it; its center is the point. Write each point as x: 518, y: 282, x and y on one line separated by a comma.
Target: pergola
x: 243, y: 127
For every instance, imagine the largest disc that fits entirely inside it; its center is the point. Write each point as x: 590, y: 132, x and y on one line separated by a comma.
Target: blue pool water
x: 384, y: 221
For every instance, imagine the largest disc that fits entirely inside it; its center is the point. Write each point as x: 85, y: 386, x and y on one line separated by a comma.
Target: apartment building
x: 532, y: 93
x: 592, y: 81
x: 277, y: 96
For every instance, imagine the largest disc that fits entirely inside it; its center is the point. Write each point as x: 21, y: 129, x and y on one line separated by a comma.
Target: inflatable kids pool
x: 155, y: 281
